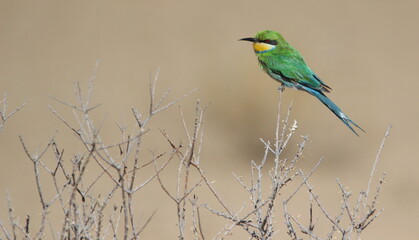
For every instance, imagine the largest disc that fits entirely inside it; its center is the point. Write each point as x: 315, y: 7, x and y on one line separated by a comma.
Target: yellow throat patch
x: 262, y: 47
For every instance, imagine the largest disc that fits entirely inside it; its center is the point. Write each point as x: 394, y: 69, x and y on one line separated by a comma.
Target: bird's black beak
x: 249, y: 39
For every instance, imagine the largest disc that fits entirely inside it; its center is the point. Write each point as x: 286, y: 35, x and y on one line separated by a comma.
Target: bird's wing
x: 293, y: 68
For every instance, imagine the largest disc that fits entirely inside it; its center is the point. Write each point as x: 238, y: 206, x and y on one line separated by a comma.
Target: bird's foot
x: 281, y: 88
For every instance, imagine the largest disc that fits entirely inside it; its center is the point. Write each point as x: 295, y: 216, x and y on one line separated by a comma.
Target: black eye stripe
x: 268, y: 41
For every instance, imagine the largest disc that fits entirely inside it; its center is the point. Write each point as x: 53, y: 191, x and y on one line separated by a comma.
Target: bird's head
x: 266, y: 41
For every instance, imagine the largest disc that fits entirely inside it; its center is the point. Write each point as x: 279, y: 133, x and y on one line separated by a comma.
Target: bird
x: 285, y: 64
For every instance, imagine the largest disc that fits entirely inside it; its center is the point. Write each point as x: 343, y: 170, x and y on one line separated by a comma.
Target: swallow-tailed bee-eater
x: 285, y: 64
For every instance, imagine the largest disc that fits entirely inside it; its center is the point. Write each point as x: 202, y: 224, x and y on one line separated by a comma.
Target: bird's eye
x: 272, y: 42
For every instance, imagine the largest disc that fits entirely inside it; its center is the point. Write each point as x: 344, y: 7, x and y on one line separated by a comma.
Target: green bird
x: 285, y: 64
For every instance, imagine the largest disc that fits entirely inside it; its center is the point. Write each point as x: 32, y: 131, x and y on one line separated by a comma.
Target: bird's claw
x: 281, y: 88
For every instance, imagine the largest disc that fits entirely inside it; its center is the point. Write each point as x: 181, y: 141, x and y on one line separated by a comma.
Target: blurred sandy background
x: 366, y: 51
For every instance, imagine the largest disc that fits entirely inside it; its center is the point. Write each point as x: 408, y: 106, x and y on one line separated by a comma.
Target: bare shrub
x: 87, y: 213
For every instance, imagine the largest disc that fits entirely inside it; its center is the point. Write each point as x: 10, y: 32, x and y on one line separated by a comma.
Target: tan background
x: 366, y: 51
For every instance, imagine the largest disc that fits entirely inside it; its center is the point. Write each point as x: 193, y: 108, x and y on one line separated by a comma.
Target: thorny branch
x: 359, y: 216
x: 84, y: 209
x: 4, y: 116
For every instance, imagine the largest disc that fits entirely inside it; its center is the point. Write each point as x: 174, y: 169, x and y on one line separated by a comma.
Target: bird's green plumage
x: 285, y: 64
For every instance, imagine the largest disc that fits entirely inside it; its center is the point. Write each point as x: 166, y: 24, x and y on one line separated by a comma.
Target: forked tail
x: 335, y: 109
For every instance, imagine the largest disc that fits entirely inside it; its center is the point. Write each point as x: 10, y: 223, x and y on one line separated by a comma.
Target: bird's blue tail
x: 335, y: 109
